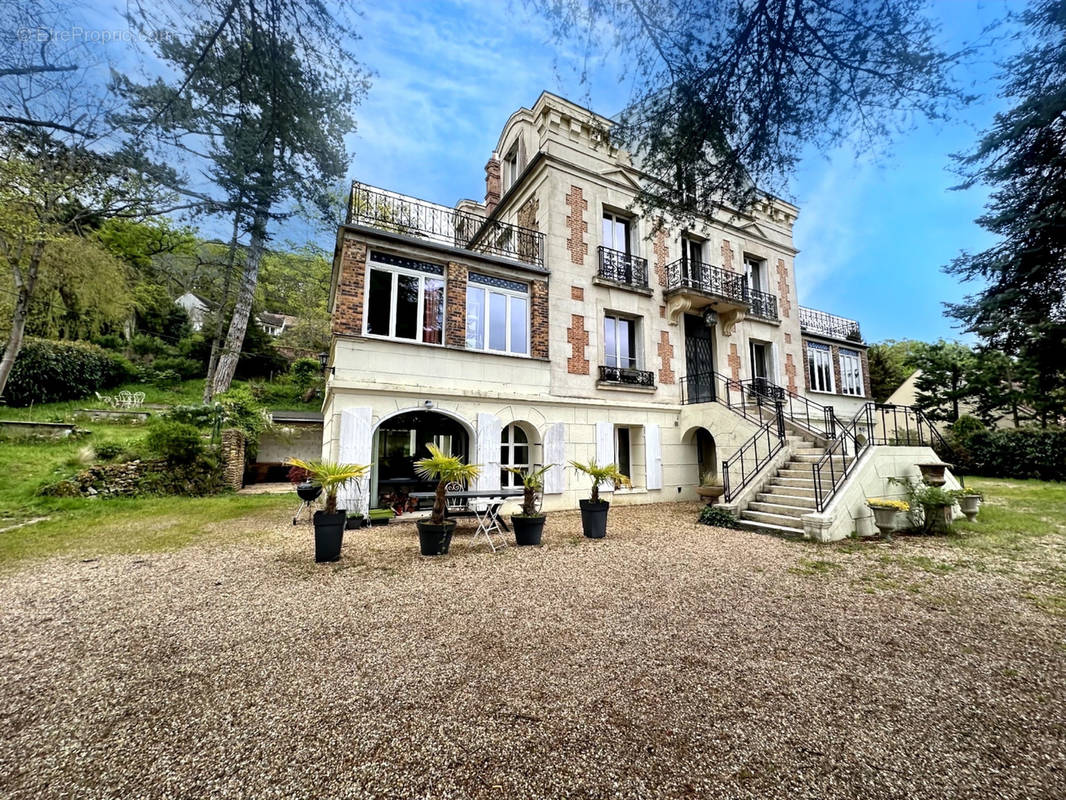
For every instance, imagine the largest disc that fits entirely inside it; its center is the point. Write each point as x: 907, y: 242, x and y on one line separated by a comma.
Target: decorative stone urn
x: 933, y: 473
x: 885, y: 520
x: 710, y: 493
x: 970, y: 505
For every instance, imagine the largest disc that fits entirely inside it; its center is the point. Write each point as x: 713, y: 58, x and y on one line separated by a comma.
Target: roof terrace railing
x: 819, y: 322
x: 397, y: 213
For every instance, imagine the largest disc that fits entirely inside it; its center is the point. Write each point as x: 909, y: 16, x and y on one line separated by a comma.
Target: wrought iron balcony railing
x: 763, y: 304
x: 626, y: 375
x: 684, y: 274
x: 623, y: 268
x: 830, y: 325
x: 389, y: 211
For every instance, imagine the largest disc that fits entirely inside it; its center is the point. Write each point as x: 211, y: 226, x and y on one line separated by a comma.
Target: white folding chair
x: 487, y: 511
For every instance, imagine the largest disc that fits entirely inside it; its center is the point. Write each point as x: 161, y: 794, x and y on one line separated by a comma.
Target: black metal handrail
x: 874, y: 424
x: 627, y: 375
x: 830, y: 325
x: 815, y: 417
x: 748, y: 460
x: 398, y: 213
x: 763, y: 304
x: 620, y: 267
x: 685, y: 274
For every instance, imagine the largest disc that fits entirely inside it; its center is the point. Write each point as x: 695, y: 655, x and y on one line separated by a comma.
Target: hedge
x: 47, y: 371
x: 1014, y: 453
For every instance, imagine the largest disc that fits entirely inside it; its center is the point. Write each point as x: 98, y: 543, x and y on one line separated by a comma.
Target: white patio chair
x: 124, y: 399
x: 105, y: 399
x: 138, y: 399
x: 455, y: 504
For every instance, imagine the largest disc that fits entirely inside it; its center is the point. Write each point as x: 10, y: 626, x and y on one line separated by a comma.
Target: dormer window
x: 510, y: 167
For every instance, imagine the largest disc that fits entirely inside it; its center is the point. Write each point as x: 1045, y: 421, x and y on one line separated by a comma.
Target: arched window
x: 514, y: 452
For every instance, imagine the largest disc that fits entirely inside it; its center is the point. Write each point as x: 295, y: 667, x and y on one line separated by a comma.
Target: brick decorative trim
x: 806, y: 369
x: 784, y: 304
x: 788, y: 338
x: 493, y: 184
x: 527, y: 214
x: 578, y: 338
x: 577, y: 293
x: 540, y: 329
x: 577, y: 226
x: 348, y: 302
x: 790, y: 372
x: 666, y: 354
x: 866, y: 387
x: 455, y: 305
x: 662, y: 254
x: 727, y: 255
x: 662, y: 312
x: 734, y: 361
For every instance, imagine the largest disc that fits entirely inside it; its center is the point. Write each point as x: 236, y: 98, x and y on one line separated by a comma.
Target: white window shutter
x: 555, y: 453
x: 356, y: 441
x: 653, y: 457
x: 489, y: 429
x: 605, y: 449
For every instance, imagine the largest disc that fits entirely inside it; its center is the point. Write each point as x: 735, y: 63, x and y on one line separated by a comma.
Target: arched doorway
x: 402, y: 440
x: 706, y: 455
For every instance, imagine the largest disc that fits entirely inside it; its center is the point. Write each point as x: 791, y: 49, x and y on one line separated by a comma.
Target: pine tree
x: 1021, y: 308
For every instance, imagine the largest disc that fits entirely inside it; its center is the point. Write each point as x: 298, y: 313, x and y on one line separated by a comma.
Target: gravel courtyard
x: 669, y: 660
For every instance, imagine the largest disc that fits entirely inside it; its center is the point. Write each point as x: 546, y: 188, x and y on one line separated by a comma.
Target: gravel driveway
x: 669, y: 660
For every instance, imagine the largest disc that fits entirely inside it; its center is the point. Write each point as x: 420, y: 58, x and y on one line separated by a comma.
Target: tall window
x: 497, y: 314
x: 819, y: 367
x: 510, y: 167
x: 851, y: 373
x: 620, y: 342
x: 616, y: 232
x: 753, y: 270
x: 405, y: 299
x: 691, y: 250
x: 514, y: 452
x: 623, y: 451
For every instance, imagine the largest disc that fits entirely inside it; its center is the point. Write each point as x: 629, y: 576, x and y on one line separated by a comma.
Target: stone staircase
x: 788, y: 495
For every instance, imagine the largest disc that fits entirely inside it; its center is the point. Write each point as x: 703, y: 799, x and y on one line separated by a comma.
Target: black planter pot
x: 308, y: 492
x: 434, y: 540
x: 527, y: 530
x: 354, y: 523
x: 594, y: 518
x: 329, y: 530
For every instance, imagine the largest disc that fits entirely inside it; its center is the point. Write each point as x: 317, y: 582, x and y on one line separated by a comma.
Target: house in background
x: 195, y: 307
x: 552, y: 322
x: 275, y: 324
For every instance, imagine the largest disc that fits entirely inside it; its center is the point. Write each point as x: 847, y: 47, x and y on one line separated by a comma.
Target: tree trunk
x: 242, y: 308
x: 220, y: 321
x: 24, y: 294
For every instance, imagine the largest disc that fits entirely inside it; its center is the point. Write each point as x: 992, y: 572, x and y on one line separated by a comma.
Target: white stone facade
x: 560, y: 178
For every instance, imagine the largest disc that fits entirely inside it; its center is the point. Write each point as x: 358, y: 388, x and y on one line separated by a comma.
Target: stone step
x: 784, y: 520
x: 814, y: 459
x: 787, y: 497
x: 795, y: 472
x: 776, y: 530
x: 808, y: 451
x: 794, y: 483
x: 778, y: 509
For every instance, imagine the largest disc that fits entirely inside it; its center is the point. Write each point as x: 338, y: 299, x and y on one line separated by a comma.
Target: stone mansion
x: 551, y: 322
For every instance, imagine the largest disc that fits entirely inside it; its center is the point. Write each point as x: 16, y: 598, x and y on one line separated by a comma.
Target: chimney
x: 492, y: 183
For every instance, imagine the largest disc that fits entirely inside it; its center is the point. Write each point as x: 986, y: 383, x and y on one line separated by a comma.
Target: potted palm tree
x: 435, y: 536
x: 594, y: 510
x: 330, y: 522
x: 529, y: 525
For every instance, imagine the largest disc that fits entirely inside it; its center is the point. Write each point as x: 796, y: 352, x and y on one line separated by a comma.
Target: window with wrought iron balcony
x: 616, y: 262
x: 621, y: 354
x: 821, y: 323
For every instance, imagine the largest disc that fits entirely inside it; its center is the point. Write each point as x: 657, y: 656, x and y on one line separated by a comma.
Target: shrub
x: 718, y: 518
x: 305, y: 373
x: 1016, y: 453
x: 177, y: 442
x: 48, y: 371
x: 144, y: 345
x: 163, y: 378
x: 242, y: 410
x: 187, y: 368
x: 197, y: 416
x: 110, y: 341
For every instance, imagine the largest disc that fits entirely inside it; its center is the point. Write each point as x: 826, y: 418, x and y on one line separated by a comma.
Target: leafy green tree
x: 943, y: 387
x: 1021, y: 307
x: 891, y: 363
x: 727, y: 93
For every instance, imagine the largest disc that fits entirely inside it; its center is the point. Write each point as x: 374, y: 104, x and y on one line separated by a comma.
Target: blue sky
x: 873, y: 231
